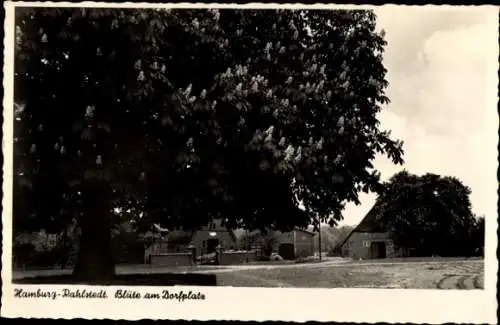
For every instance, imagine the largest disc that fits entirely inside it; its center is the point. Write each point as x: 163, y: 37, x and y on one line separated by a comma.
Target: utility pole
x: 246, y: 246
x: 319, y: 238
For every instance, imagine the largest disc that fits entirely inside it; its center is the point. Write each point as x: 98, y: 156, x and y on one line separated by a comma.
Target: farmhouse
x: 289, y: 245
x: 208, y: 238
x: 369, y: 240
x: 204, y: 241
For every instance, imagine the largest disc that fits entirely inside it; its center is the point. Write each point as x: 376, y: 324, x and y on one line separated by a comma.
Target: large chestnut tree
x: 190, y: 115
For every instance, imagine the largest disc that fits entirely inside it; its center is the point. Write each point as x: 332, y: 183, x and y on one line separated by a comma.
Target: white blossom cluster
x: 59, y: 146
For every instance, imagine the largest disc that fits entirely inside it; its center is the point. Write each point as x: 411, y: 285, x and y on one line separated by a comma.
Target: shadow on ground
x: 167, y: 279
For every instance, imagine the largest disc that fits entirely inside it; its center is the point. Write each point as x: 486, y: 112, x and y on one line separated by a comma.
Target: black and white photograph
x: 237, y: 147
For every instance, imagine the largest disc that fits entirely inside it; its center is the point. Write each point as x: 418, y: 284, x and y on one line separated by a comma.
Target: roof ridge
x: 368, y: 217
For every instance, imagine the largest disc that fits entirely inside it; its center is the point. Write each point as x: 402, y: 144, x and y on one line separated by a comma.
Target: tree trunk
x: 64, y: 250
x: 95, y: 261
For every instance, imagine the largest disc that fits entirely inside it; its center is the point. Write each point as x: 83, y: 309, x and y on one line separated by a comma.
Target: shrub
x: 334, y: 252
x: 276, y: 257
x: 306, y: 259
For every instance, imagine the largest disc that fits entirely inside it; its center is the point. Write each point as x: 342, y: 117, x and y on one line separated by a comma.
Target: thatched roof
x: 370, y: 224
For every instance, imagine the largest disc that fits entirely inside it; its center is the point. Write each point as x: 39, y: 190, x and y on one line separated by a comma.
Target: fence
x: 239, y: 257
x: 186, y: 258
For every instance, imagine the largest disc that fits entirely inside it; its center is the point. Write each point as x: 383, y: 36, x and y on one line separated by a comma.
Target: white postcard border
x: 228, y: 303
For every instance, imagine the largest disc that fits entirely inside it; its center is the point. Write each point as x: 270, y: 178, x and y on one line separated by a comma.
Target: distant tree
x: 328, y: 238
x: 339, y: 234
x: 343, y: 232
x: 478, y: 235
x: 189, y: 115
x: 67, y: 245
x: 429, y: 213
x: 267, y: 240
x: 179, y: 239
x: 23, y: 252
x: 270, y: 242
x: 332, y: 236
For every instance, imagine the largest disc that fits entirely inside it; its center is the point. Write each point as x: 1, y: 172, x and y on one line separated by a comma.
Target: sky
x: 442, y: 68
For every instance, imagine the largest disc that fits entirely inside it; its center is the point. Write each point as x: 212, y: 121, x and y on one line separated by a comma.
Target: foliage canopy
x: 189, y: 115
x: 430, y: 213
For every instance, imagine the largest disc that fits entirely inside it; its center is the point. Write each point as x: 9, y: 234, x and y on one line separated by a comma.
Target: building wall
x: 158, y: 247
x: 286, y: 237
x: 171, y: 259
x: 224, y: 236
x: 359, y: 245
x: 304, y: 244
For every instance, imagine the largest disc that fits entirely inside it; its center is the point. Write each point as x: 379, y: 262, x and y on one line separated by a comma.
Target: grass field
x: 388, y: 273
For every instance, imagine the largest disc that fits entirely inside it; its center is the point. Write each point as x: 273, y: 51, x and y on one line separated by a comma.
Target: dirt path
x: 448, y: 274
x: 409, y: 275
x: 464, y: 276
x: 335, y: 263
x: 249, y: 267
x: 242, y: 277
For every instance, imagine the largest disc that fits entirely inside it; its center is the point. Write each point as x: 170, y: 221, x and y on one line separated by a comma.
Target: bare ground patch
x: 441, y: 275
x: 444, y: 274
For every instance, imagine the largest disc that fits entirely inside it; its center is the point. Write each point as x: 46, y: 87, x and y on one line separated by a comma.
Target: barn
x: 296, y: 243
x: 208, y: 238
x: 289, y: 245
x: 369, y: 240
x: 204, y: 241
